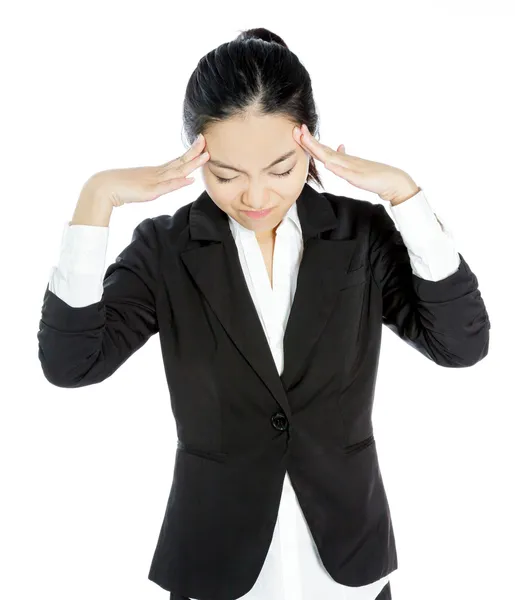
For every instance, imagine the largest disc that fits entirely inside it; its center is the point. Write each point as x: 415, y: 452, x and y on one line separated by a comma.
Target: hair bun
x: 260, y: 33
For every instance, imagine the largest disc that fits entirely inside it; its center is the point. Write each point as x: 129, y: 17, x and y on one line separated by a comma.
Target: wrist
x: 403, y: 193
x: 402, y: 199
x: 94, y: 206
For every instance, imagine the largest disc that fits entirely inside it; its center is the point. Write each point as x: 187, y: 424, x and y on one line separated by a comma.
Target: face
x: 240, y: 175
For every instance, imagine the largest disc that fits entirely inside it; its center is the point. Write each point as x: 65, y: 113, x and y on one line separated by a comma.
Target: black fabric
x: 385, y: 594
x: 240, y: 425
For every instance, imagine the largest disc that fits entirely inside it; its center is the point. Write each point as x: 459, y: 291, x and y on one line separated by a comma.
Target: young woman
x: 269, y: 298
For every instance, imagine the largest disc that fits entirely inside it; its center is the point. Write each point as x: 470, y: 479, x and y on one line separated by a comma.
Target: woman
x: 269, y: 298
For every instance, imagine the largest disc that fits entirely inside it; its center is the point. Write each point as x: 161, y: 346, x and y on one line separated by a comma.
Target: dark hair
x: 255, y: 71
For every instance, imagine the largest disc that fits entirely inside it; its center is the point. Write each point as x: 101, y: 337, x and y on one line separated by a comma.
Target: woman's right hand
x: 144, y: 184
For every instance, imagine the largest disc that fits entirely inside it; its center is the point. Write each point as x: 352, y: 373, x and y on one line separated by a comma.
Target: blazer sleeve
x: 445, y: 320
x: 79, y: 346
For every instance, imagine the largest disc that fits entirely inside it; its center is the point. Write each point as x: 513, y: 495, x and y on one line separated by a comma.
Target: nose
x: 255, y: 199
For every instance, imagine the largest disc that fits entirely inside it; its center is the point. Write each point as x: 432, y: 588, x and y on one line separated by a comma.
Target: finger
x: 185, y: 169
x: 193, y: 151
x: 342, y: 171
x: 173, y: 184
x: 318, y: 150
x: 341, y: 160
x: 179, y: 169
x: 297, y: 136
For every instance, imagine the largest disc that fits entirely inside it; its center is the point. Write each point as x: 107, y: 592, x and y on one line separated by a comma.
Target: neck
x: 266, y: 236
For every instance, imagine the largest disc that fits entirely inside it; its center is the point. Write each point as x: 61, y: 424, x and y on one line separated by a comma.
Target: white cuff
x: 430, y: 244
x: 83, y: 249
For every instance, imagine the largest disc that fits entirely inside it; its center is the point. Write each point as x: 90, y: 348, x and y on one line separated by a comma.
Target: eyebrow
x: 223, y: 165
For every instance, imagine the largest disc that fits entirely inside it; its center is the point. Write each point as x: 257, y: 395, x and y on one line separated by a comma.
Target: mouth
x: 257, y: 214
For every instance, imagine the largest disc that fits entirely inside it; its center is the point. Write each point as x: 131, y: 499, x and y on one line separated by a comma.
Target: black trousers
x: 385, y: 594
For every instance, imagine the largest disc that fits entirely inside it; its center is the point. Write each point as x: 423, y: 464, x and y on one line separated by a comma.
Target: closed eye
x: 223, y: 180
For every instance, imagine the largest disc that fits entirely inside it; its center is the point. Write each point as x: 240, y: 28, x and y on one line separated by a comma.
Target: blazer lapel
x: 217, y: 271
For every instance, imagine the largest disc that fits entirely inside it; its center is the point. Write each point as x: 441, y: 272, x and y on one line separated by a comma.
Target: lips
x: 257, y: 214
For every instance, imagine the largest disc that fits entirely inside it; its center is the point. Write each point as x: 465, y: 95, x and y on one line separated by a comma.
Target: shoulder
x: 346, y: 206
x: 357, y: 217
x: 173, y: 223
x: 165, y: 229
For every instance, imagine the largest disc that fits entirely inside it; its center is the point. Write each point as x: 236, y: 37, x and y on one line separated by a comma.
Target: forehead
x: 250, y: 141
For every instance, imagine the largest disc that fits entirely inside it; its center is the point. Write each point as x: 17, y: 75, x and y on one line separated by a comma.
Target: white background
x: 426, y: 87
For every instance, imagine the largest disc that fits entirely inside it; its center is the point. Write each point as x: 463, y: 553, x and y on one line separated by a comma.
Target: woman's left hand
x: 389, y: 183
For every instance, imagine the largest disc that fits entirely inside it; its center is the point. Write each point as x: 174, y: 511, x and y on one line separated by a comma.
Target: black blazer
x: 239, y: 424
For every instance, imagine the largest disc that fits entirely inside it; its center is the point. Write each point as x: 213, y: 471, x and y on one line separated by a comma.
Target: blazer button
x: 279, y: 421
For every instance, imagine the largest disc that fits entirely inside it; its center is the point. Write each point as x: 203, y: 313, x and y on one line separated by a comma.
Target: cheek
x: 218, y: 194
x: 304, y: 170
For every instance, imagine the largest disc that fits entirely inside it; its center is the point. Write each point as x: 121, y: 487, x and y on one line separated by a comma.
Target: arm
x: 446, y: 320
x: 430, y: 245
x: 85, y: 343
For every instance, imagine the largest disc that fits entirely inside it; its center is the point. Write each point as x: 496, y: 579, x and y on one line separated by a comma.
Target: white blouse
x: 292, y: 568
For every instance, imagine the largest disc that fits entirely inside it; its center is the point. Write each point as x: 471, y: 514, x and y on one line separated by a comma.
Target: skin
x: 251, y: 143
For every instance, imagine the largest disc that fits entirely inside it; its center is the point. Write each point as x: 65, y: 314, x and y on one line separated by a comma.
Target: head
x: 245, y: 97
